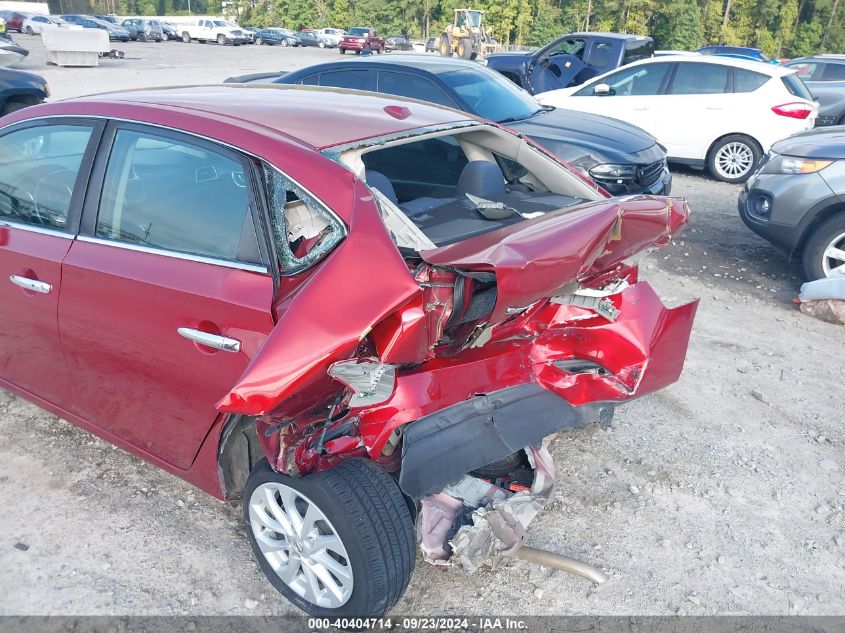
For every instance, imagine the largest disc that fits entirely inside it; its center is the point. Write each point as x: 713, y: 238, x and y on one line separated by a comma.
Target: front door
x: 165, y: 295
x: 43, y: 168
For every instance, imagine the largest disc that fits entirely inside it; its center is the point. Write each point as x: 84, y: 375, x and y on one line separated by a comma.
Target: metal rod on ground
x: 563, y: 563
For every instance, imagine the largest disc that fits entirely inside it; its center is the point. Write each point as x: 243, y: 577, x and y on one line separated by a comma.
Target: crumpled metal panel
x: 535, y: 258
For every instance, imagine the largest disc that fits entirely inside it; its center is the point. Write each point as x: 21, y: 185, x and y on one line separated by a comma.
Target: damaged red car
x: 361, y: 315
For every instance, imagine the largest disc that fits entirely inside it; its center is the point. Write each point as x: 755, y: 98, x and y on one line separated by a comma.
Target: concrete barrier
x: 75, y: 46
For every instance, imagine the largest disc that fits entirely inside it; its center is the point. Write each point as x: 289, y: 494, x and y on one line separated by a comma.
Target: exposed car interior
x: 452, y: 186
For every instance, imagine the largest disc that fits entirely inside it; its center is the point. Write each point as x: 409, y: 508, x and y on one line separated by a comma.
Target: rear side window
x: 796, y: 87
x: 405, y: 85
x: 172, y: 195
x: 356, y: 79
x: 700, y: 79
x: 38, y: 170
x: 833, y: 72
x: 748, y: 80
x: 638, y: 49
x: 806, y: 70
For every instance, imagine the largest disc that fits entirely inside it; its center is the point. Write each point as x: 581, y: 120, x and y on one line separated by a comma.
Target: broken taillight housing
x: 371, y: 382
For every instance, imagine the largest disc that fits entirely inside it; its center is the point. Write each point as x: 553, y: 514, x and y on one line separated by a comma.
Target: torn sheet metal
x: 534, y: 258
x: 498, y: 527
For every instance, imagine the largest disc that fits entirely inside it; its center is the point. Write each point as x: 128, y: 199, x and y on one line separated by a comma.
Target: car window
x: 167, y: 194
x: 748, y: 80
x: 700, y: 79
x: 357, y: 79
x: 833, y: 72
x: 304, y: 230
x: 601, y: 54
x: 405, y: 85
x: 634, y: 81
x: 637, y: 49
x: 489, y: 94
x: 796, y: 87
x: 570, y: 46
x: 38, y: 170
x: 806, y: 70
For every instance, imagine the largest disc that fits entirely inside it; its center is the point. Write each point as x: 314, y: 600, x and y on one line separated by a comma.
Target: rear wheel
x: 824, y: 251
x: 445, y: 46
x: 342, y: 50
x: 335, y: 543
x: 733, y: 158
x: 186, y: 37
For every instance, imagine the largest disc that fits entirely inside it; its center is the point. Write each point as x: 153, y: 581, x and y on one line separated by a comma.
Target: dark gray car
x: 796, y: 200
x: 622, y: 158
x: 825, y: 77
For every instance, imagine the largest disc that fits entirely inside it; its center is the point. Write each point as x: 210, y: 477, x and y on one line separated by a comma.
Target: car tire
x: 465, y: 48
x: 221, y: 40
x: 830, y: 234
x: 342, y: 51
x: 142, y: 37
x: 733, y: 158
x: 284, y: 42
x: 186, y: 37
x: 29, y: 31
x: 445, y: 46
x: 362, y: 518
x: 259, y: 41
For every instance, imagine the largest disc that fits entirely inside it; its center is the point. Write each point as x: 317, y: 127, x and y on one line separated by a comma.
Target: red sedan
x: 331, y: 305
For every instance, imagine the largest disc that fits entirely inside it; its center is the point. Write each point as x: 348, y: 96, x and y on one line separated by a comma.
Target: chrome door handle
x: 31, y: 284
x: 210, y: 340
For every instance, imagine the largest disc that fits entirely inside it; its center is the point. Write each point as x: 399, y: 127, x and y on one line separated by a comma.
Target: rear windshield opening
x: 457, y: 186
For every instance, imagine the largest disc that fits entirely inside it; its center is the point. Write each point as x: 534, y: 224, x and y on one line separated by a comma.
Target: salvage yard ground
x: 723, y: 494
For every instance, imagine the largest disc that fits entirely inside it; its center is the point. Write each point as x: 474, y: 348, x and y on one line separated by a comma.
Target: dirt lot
x: 721, y: 495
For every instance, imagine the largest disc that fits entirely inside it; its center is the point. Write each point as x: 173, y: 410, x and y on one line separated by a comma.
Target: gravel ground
x: 720, y: 495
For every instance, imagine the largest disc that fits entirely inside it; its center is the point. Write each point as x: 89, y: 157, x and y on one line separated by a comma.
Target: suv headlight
x: 778, y: 164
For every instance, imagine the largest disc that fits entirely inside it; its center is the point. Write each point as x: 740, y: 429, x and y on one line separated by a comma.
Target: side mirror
x: 601, y: 90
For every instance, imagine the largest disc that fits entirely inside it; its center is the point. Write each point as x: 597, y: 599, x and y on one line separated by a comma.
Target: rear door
x: 699, y: 106
x: 44, y: 165
x: 166, y: 293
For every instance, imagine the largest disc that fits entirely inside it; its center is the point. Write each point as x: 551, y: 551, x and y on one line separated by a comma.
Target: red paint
x: 104, y: 351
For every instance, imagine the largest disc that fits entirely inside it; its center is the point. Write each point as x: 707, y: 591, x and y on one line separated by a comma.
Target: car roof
x: 607, y: 34
x: 736, y: 62
x: 317, y: 117
x: 430, y: 63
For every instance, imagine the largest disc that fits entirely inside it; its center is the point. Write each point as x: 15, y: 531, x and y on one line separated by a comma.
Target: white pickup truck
x: 219, y: 31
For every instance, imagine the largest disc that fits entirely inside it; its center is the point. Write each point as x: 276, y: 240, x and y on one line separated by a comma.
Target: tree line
x: 782, y: 28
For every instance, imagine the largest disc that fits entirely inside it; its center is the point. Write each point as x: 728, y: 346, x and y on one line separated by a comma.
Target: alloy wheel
x: 301, y: 545
x: 833, y: 258
x: 734, y: 160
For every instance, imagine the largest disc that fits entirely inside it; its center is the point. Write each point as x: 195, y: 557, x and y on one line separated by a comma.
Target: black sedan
x: 622, y: 158
x: 19, y: 90
x: 273, y: 37
x: 310, y: 38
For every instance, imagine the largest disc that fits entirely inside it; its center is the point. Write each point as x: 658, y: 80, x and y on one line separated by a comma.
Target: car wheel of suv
x: 221, y: 39
x: 29, y: 31
x: 824, y: 251
x: 335, y: 543
x: 142, y: 37
x: 733, y: 158
x: 186, y: 37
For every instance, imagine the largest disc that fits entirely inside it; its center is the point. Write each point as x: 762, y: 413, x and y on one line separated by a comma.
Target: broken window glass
x: 304, y: 230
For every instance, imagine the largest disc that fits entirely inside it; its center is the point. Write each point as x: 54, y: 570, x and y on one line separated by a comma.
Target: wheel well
x: 724, y: 136
x: 238, y: 453
x: 822, y: 216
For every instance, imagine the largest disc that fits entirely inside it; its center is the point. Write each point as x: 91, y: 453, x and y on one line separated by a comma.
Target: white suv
x: 331, y: 36
x: 720, y: 112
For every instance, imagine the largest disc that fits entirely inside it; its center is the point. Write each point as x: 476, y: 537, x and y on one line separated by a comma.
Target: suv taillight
x: 794, y: 110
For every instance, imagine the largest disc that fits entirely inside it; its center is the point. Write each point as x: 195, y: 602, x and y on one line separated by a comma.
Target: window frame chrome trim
x: 253, y: 268
x: 8, y: 224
